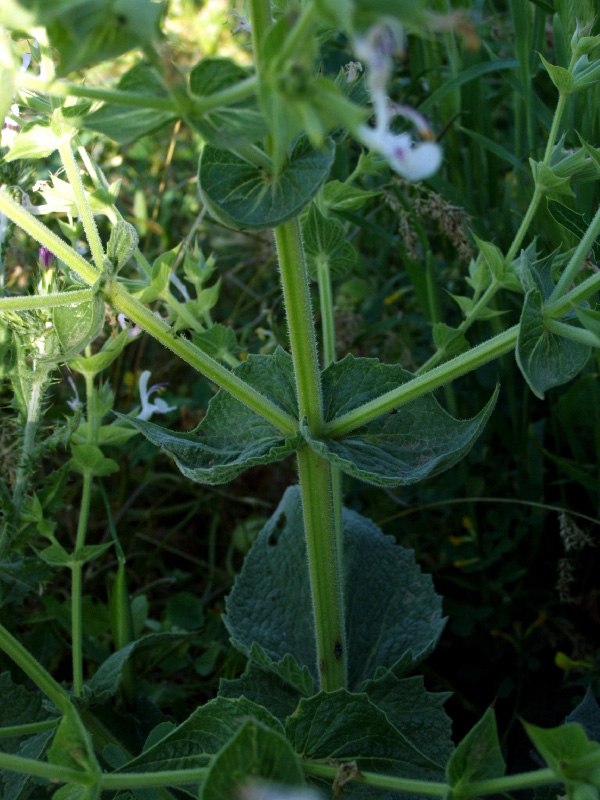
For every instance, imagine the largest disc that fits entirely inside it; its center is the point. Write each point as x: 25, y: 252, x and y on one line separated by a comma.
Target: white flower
x: 158, y: 406
x: 242, y: 23
x: 414, y: 161
x: 133, y: 332
x: 76, y: 402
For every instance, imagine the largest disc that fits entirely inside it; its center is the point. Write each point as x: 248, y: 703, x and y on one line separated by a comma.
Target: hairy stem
x: 29, y: 302
x: 576, y: 260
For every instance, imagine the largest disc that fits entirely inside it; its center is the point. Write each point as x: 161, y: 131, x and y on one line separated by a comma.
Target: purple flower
x: 46, y: 258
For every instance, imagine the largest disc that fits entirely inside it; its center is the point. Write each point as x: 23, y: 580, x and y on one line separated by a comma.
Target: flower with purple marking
x: 158, y: 406
x: 46, y: 258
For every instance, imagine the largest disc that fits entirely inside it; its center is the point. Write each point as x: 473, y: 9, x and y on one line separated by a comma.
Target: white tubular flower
x: 158, y: 406
x: 76, y: 402
x: 414, y: 161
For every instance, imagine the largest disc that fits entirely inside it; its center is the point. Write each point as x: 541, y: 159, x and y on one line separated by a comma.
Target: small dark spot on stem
x: 121, y: 19
x: 393, y: 411
x: 338, y: 650
x: 322, y: 665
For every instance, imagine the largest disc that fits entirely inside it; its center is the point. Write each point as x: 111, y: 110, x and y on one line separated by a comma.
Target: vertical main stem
x: 314, y: 471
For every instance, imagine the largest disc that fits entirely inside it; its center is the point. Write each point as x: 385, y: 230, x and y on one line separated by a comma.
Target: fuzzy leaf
x: 545, y: 359
x: 587, y: 714
x: 78, y: 326
x: 122, y: 244
x: 231, y: 437
x: 254, y: 752
x: 414, y: 711
x: 561, y: 746
x: 448, y: 339
x: 244, y: 197
x: 264, y: 688
x: 92, y: 365
x: 391, y: 607
x: 217, y: 340
x: 416, y: 442
x: 477, y: 756
x: 203, y: 734
x: 339, y: 196
x: 573, y: 222
x: 349, y: 727
x: 34, y: 140
x: 125, y: 124
x: 325, y: 241
x: 231, y: 125
x: 107, y: 679
x: 18, y: 785
x: 20, y: 577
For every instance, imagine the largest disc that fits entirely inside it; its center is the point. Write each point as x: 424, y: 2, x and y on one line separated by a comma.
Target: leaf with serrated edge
x: 245, y: 197
x: 349, y: 727
x: 478, y: 755
x: 255, y: 752
x: 390, y: 606
x: 264, y: 688
x: 544, y: 358
x: 232, y: 437
x: 203, y: 734
x: 587, y: 714
x: 419, y: 714
x: 562, y: 745
x: 399, y: 448
x: 325, y: 240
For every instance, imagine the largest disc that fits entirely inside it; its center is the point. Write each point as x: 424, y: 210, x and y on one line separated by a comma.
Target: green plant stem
x: 29, y: 302
x: 194, y: 105
x: 254, y: 155
x: 542, y: 777
x: 457, y: 366
x: 577, y: 258
x: 83, y: 206
x: 314, y: 471
x: 329, y: 354
x: 42, y: 769
x: 34, y: 670
x: 524, y: 226
x: 123, y: 302
x: 324, y: 570
x: 579, y: 335
x: 296, y: 292
x: 76, y: 584
x: 261, y: 19
x: 29, y: 728
x: 298, y: 33
x: 168, y: 777
x: 577, y: 295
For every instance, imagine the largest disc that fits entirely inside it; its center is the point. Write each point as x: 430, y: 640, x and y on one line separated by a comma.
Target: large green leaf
x: 232, y: 437
x: 203, y: 734
x: 478, y: 755
x: 561, y: 747
x: 78, y: 326
x: 391, y: 608
x: 231, y: 125
x: 419, y: 714
x: 255, y: 752
x: 124, y: 123
x: 245, y: 197
x: 349, y: 727
x: 545, y: 358
x: 416, y: 442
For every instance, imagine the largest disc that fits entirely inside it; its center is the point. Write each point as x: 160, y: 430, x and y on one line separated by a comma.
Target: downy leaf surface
x: 478, y: 755
x: 398, y: 448
x: 391, y: 607
x: 349, y: 727
x: 232, y: 437
x: 78, y: 326
x: 325, y: 241
x: 203, y: 734
x: 419, y: 714
x: 245, y: 197
x: 125, y: 124
x: 18, y: 785
x: 255, y: 752
x: 545, y: 358
x: 264, y: 688
x: 231, y: 125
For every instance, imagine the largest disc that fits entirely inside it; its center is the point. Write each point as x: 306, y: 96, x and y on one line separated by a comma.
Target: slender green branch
x: 296, y: 292
x: 29, y: 728
x: 524, y: 226
x: 139, y: 780
x: 511, y: 783
x: 29, y: 302
x: 327, y: 316
x: 409, y: 785
x: 123, y: 302
x: 42, y: 769
x: 261, y: 20
x: 83, y: 206
x: 576, y: 260
x: 460, y: 365
x: 76, y: 582
x: 298, y: 33
x: 34, y: 670
x: 572, y: 299
x: 579, y: 335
